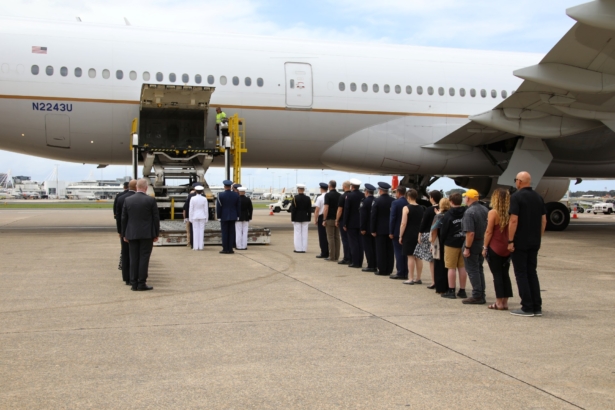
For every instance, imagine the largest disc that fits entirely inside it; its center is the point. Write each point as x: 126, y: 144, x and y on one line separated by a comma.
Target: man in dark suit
x: 352, y: 223
x: 339, y: 222
x: 132, y: 187
x: 301, y: 214
x: 115, y: 212
x: 228, y: 209
x: 243, y: 224
x: 140, y: 228
x: 319, y: 210
x: 397, y: 208
x: 369, y: 242
x: 380, y: 220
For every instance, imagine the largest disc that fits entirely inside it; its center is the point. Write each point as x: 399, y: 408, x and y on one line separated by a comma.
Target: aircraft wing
x: 572, y: 90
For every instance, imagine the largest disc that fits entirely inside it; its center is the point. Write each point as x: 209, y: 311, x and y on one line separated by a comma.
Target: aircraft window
x: 292, y: 83
x: 146, y: 76
x: 210, y: 79
x: 185, y: 78
x: 409, y: 89
x: 451, y: 92
x: 49, y: 70
x: 483, y: 93
x: 260, y: 82
x: 441, y: 90
x: 106, y: 74
x: 248, y: 81
x: 198, y: 79
x: 172, y: 77
x: 430, y: 90
x: 92, y: 73
x: 159, y: 77
x: 63, y: 71
x: 364, y: 87
x: 223, y: 80
x: 398, y: 89
x: 342, y: 86
x: 419, y: 90
x: 119, y: 74
x: 34, y: 70
x: 494, y: 94
x: 376, y: 88
x: 235, y: 80
x: 353, y: 87
x: 132, y: 75
x: 504, y: 94
x: 473, y: 92
x: 462, y: 92
x: 78, y: 72
x: 387, y: 88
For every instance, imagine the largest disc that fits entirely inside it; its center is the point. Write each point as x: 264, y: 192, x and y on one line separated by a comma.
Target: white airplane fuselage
x: 299, y: 118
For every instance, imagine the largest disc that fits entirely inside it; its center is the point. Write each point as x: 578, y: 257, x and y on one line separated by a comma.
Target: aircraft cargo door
x: 57, y: 129
x: 298, y: 85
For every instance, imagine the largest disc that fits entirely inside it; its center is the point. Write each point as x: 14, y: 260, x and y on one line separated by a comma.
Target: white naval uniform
x: 199, y: 214
x: 241, y: 234
x: 301, y: 236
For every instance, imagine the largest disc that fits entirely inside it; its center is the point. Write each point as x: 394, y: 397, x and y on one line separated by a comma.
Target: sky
x: 522, y: 25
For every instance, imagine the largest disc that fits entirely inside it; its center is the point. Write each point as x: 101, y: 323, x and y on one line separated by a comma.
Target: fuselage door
x: 299, y: 89
x: 57, y: 130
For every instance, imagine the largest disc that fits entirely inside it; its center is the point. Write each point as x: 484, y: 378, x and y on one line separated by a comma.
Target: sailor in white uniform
x: 199, y: 214
x: 301, y: 211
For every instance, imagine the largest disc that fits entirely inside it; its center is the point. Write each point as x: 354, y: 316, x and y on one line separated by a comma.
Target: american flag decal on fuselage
x: 39, y: 50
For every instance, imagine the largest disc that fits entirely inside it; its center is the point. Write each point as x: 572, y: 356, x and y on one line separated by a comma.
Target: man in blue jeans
x: 401, y: 260
x: 527, y: 224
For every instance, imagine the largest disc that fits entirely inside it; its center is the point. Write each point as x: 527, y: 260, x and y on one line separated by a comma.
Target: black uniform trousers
x: 140, y: 252
x: 125, y: 260
x: 385, y: 257
x: 525, y: 263
x: 322, y: 238
x: 369, y: 247
x: 356, y: 246
x: 345, y: 246
x: 228, y: 235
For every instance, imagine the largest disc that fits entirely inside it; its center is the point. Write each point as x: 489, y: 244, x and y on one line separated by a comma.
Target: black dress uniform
x: 125, y: 246
x: 369, y: 242
x: 228, y: 210
x: 352, y: 223
x: 301, y: 215
x: 322, y: 231
x: 347, y: 252
x: 381, y: 213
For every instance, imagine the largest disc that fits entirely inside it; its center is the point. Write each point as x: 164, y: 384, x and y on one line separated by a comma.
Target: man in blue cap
x: 369, y: 242
x: 228, y: 209
x: 352, y: 223
x: 319, y: 210
x: 380, y: 217
x: 397, y: 208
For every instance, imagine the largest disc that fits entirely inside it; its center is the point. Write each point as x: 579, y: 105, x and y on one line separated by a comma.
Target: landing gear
x: 421, y: 183
x: 558, y: 216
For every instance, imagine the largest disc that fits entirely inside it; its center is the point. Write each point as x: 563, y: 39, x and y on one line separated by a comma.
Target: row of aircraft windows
x: 119, y: 74
x: 419, y: 90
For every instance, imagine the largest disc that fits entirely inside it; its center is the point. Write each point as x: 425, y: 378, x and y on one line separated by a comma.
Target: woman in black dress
x: 440, y: 271
x: 409, y: 234
x: 423, y: 248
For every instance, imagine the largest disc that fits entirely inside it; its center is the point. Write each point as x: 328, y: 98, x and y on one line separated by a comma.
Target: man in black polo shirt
x: 329, y: 214
x: 527, y: 224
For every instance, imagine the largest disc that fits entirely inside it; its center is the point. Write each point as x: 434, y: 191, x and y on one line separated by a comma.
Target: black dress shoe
x: 231, y: 252
x: 396, y: 277
x: 320, y: 256
x: 343, y: 262
x: 133, y: 287
x: 128, y: 283
x: 369, y: 270
x: 223, y: 252
x: 144, y: 287
x: 355, y: 266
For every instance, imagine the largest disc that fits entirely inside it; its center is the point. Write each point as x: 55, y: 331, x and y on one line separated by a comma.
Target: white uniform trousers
x: 241, y: 234
x: 301, y: 236
x: 198, y: 230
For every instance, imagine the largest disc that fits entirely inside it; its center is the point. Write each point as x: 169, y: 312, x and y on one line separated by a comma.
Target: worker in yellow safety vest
x: 220, y: 115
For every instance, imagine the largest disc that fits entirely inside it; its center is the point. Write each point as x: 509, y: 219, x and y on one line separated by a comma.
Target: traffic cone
x: 270, y: 212
x: 574, y: 212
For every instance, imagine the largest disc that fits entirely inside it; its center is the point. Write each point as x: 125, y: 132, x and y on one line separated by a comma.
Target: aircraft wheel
x: 557, y: 217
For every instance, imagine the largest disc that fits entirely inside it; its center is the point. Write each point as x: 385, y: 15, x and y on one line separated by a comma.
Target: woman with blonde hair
x: 437, y: 247
x: 496, y: 247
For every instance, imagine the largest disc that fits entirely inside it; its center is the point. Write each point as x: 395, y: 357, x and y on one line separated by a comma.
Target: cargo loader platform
x: 173, y: 233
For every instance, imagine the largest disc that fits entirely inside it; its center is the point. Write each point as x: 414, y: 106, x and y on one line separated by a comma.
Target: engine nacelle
x: 553, y: 189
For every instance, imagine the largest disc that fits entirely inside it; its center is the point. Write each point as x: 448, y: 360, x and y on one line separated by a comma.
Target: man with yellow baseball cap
x: 474, y: 225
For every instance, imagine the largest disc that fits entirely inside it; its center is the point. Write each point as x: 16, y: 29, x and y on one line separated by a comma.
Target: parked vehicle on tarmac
x: 604, y: 207
x: 284, y: 205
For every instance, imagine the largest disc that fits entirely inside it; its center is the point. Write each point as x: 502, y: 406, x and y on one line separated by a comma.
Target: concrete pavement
x: 267, y: 328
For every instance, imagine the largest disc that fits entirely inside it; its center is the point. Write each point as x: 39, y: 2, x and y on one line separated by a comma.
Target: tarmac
x: 270, y: 329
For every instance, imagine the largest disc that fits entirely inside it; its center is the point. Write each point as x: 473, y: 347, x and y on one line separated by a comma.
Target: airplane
x: 69, y: 91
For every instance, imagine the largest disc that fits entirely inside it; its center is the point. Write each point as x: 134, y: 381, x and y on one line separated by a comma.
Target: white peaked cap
x: 241, y: 189
x: 301, y: 186
x: 199, y: 187
x: 355, y: 181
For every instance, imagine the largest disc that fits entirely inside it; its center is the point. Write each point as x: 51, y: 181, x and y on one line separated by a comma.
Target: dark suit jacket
x: 246, y: 208
x: 140, y: 218
x: 366, y: 212
x: 228, y: 206
x: 381, y: 215
x: 301, y: 208
x: 397, y: 209
x: 116, y: 210
x: 352, y: 206
x: 120, y: 209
